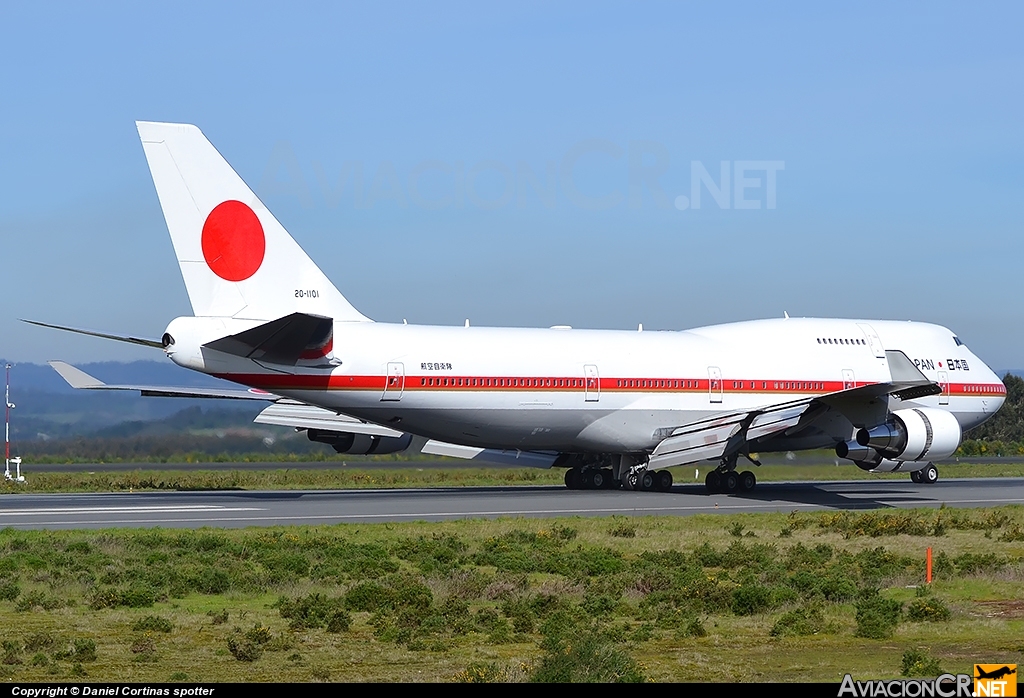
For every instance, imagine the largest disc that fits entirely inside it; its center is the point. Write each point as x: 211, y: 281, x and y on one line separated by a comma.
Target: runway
x: 236, y: 509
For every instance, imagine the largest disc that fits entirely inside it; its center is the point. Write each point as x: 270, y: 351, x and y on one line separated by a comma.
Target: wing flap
x: 300, y: 416
x: 526, y: 459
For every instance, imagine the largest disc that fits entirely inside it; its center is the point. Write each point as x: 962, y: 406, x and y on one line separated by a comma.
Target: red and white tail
x: 236, y: 259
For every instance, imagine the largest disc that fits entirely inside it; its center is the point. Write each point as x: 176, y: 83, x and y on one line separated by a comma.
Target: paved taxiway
x: 233, y: 509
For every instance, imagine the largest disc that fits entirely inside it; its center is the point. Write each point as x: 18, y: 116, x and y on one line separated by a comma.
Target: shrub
x: 38, y: 599
x: 623, y: 529
x: 917, y: 663
x: 9, y: 590
x: 312, y: 611
x: 802, y: 621
x: 928, y: 609
x: 244, y: 649
x: 218, y: 617
x: 750, y: 599
x: 694, y: 628
x: 368, y: 596
x: 590, y: 658
x: 877, y: 617
x: 85, y: 650
x: 153, y: 623
x: 339, y: 622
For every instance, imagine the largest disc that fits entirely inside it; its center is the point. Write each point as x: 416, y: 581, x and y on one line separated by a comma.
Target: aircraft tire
x: 630, y: 481
x: 713, y: 482
x: 929, y: 474
x: 730, y: 482
x: 916, y: 477
x: 572, y: 479
x: 748, y: 481
x: 610, y: 483
x: 648, y: 481
x: 664, y: 478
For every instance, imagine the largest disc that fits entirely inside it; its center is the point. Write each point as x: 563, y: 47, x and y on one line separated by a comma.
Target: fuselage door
x: 944, y: 384
x: 591, y: 383
x: 849, y: 382
x: 873, y: 341
x: 394, y: 382
x: 714, y: 384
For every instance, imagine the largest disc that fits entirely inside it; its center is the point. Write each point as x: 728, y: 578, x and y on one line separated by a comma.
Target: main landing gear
x: 725, y: 480
x: 631, y: 479
x: 928, y: 475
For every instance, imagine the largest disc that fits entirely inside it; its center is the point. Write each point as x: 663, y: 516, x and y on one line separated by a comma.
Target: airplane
x: 615, y: 408
x: 994, y: 674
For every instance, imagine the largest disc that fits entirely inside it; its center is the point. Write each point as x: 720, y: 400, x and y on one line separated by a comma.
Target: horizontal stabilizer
x: 526, y: 459
x: 300, y: 416
x: 80, y: 380
x: 286, y: 341
x: 155, y: 343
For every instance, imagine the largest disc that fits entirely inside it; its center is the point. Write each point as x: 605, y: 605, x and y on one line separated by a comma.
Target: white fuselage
x: 600, y: 391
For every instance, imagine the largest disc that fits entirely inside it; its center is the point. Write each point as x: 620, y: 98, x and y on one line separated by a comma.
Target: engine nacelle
x: 915, y: 434
x: 867, y: 458
x: 360, y: 444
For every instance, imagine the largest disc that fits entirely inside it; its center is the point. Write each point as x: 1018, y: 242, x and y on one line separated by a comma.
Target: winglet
x: 76, y: 377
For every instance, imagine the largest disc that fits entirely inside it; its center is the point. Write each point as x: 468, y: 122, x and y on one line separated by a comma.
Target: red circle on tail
x: 233, y: 241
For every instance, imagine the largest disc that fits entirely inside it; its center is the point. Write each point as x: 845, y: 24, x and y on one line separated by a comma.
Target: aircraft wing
x: 728, y: 434
x: 79, y: 379
x: 526, y: 459
x: 725, y: 434
x: 288, y: 413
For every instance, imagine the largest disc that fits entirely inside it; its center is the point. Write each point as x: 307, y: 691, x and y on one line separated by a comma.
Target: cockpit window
x: 958, y: 342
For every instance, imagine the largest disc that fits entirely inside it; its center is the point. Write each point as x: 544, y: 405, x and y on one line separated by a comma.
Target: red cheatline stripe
x: 433, y: 383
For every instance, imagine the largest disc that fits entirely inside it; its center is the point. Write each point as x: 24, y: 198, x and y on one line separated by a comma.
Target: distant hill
x: 47, y: 407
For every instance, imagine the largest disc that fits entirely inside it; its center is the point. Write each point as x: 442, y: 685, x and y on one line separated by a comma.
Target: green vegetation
x: 700, y: 598
x: 352, y: 476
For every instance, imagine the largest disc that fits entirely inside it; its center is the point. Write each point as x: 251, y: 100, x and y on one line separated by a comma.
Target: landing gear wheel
x: 929, y: 474
x: 664, y: 480
x: 595, y: 479
x: 916, y: 477
x: 572, y: 479
x: 713, y: 482
x: 610, y: 483
x: 730, y: 482
x: 748, y: 481
x: 647, y: 481
x: 630, y: 481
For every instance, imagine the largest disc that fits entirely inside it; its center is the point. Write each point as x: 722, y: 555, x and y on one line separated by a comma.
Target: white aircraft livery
x: 614, y: 408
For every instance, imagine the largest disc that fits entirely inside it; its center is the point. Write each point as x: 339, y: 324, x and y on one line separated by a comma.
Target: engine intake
x: 359, y: 444
x: 913, y: 434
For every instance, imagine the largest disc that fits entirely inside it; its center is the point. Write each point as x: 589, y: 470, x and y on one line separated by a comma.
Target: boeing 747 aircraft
x: 614, y: 408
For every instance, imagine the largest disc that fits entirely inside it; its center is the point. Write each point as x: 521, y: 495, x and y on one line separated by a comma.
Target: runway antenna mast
x: 8, y: 406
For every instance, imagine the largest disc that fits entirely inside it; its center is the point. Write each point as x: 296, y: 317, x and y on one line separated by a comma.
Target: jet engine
x: 915, y: 434
x: 360, y: 444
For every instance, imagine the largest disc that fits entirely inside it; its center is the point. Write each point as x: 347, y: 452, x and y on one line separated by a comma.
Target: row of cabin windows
x: 822, y: 340
x: 505, y: 382
x: 579, y: 383
x: 657, y: 384
x: 998, y: 389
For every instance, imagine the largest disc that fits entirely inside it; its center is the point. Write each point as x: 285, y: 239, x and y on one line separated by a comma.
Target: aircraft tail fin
x: 236, y: 259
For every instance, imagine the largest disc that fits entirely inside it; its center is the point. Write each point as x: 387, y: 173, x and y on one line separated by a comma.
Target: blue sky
x: 894, y: 133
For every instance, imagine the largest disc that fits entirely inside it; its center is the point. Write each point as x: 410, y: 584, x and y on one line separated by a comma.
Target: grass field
x: 408, y: 475
x: 753, y: 597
